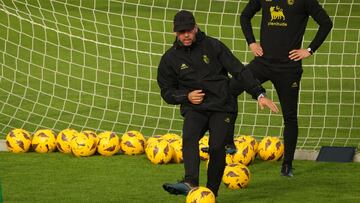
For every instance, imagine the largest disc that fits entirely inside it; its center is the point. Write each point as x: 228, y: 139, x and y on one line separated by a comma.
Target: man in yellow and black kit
x: 278, y: 55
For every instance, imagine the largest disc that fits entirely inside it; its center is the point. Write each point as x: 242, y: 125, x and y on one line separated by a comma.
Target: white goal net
x: 92, y: 64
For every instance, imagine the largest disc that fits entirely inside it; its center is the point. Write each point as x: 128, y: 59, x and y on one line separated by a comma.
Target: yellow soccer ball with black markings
x: 109, y: 143
x: 91, y: 134
x: 151, y: 143
x: 82, y: 145
x: 63, y: 140
x: 151, y: 139
x: 160, y: 152
x: 176, y: 144
x: 200, y: 195
x: 44, y: 141
x: 236, y: 176
x: 271, y: 149
x: 244, y: 153
x: 171, y: 136
x: 248, y: 139
x: 133, y: 142
x: 18, y: 140
x: 204, y: 143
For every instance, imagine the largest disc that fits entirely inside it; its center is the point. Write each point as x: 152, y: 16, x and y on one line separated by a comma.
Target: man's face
x: 187, y: 37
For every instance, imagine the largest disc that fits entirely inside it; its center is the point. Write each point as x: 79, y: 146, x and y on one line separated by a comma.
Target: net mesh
x: 92, y: 64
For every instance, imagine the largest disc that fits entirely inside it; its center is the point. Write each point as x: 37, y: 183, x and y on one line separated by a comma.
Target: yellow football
x: 271, y: 149
x: 133, y: 142
x: 200, y: 195
x: 82, y: 145
x: 63, y: 140
x: 109, y: 143
x: 236, y: 176
x: 160, y: 152
x: 44, y: 141
x: 18, y: 140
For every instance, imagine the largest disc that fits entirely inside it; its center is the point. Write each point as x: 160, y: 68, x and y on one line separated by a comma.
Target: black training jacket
x: 283, y: 25
x: 203, y: 65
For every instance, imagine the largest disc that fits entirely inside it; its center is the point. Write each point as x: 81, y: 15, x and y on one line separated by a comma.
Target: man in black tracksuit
x: 194, y: 74
x: 279, y: 54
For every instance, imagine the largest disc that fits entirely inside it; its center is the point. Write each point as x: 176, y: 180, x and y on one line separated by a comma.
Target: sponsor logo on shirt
x: 276, y: 13
x: 277, y: 16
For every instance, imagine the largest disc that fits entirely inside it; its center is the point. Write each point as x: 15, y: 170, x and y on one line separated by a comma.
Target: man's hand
x: 298, y: 54
x: 263, y: 101
x: 196, y: 96
x: 256, y: 49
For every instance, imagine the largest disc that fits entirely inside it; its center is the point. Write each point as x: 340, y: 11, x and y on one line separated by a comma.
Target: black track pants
x: 196, y: 123
x: 286, y: 81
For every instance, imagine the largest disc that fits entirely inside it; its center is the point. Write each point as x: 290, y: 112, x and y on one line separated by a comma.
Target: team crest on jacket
x: 291, y: 2
x: 206, y: 59
x: 183, y: 66
x: 227, y: 120
x: 294, y: 84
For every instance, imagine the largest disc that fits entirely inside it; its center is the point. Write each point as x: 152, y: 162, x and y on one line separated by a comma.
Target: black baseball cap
x: 184, y: 20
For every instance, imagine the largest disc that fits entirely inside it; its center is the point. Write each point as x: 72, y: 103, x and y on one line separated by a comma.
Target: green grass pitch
x: 58, y: 177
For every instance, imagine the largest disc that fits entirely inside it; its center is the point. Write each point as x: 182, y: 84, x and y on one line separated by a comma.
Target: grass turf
x: 57, y: 177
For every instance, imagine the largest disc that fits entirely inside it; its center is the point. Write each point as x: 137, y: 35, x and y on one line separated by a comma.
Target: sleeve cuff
x: 261, y: 95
